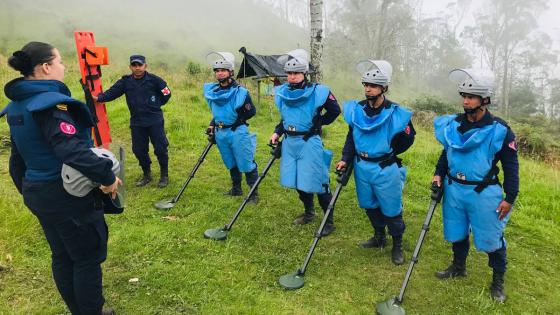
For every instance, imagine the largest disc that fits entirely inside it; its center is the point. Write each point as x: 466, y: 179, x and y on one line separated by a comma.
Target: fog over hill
x: 172, y: 30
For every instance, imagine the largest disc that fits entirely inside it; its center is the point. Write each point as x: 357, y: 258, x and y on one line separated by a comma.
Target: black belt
x: 384, y: 160
x: 233, y: 126
x: 488, y: 180
x: 306, y: 134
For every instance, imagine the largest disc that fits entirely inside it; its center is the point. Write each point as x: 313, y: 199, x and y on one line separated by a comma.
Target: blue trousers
x: 141, y: 137
x: 79, y: 246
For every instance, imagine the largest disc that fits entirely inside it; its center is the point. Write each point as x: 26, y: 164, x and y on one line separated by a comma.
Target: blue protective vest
x: 372, y: 135
x: 30, y: 96
x: 298, y: 107
x: 469, y: 155
x: 224, y: 102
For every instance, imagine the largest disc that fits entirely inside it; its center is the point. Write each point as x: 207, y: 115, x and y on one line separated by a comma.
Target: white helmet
x: 296, y: 60
x: 375, y: 72
x: 76, y: 183
x: 221, y: 60
x: 474, y: 81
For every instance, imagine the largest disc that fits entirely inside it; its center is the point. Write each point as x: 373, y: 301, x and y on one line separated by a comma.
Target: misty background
x: 424, y: 40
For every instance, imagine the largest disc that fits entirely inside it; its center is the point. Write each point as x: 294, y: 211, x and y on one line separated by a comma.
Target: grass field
x: 180, y: 272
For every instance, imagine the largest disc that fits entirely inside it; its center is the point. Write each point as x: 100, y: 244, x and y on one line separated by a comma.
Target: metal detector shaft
x: 198, y: 163
x: 276, y: 153
x: 437, y: 193
x: 342, y: 180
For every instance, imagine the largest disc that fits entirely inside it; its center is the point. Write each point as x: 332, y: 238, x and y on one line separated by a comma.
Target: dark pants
x: 250, y: 177
x: 378, y: 221
x: 79, y: 246
x: 324, y: 200
x: 141, y: 137
x: 497, y: 260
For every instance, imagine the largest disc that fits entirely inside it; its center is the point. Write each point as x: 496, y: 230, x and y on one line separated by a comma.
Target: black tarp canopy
x: 259, y: 66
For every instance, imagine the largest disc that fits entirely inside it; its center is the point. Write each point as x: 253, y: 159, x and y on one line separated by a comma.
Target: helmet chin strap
x: 472, y: 111
x: 298, y: 85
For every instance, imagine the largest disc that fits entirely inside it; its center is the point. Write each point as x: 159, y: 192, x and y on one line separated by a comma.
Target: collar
x: 466, y: 125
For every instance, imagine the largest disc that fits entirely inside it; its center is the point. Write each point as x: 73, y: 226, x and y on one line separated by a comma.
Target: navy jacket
x: 144, y: 98
x: 48, y: 128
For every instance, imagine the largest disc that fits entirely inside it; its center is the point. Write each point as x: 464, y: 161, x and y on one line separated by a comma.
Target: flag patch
x: 67, y: 128
x: 407, y: 130
x: 166, y: 91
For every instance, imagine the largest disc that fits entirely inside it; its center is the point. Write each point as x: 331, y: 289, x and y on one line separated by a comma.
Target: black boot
x: 307, y: 216
x: 108, y: 311
x: 146, y: 178
x: 324, y: 201
x: 329, y: 226
x: 254, y: 199
x: 397, y: 256
x: 458, y: 268
x: 163, y: 179
x: 497, y: 287
x: 235, y: 190
x: 377, y: 241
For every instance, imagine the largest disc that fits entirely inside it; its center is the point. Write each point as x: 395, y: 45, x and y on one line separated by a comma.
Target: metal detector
x: 393, y: 305
x: 220, y: 234
x: 168, y: 204
x: 293, y: 281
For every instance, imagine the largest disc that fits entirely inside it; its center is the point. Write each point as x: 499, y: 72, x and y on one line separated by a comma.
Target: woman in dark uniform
x: 48, y: 128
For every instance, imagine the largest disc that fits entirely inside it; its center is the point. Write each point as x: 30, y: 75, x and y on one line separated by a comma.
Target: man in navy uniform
x: 145, y: 94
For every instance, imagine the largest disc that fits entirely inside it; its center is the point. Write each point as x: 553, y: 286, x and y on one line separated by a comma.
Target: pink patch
x: 331, y: 97
x: 67, y: 128
x: 513, y: 145
x: 407, y: 130
x: 166, y: 91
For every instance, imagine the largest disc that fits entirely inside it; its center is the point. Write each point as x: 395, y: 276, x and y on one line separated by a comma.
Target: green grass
x: 180, y: 272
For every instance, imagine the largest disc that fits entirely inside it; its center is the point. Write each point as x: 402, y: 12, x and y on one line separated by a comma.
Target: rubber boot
x: 163, y: 179
x: 329, y: 226
x: 146, y: 178
x: 397, y: 256
x: 458, y: 268
x: 251, y: 178
x: 324, y: 200
x: 497, y: 287
x: 254, y: 199
x: 306, y: 217
x: 379, y: 240
x: 235, y: 190
x: 108, y: 311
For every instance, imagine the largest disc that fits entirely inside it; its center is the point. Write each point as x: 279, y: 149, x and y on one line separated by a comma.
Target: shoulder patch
x: 62, y: 107
x: 165, y: 91
x: 67, y: 128
x: 331, y: 97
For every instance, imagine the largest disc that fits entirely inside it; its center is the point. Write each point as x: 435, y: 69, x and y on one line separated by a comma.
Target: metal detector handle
x: 276, y: 149
x: 344, y: 174
x: 437, y: 192
x: 211, y: 136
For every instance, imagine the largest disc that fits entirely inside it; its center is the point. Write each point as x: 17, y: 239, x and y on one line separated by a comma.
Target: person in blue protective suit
x: 48, y: 128
x: 473, y: 143
x: 379, y: 130
x: 231, y: 107
x: 145, y: 94
x: 305, y: 163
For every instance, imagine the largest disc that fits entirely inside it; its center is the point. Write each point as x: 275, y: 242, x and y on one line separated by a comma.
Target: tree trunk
x: 316, y: 42
x: 380, y: 31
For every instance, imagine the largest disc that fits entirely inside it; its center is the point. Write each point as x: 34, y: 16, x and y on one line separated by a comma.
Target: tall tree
x: 316, y: 41
x: 502, y: 29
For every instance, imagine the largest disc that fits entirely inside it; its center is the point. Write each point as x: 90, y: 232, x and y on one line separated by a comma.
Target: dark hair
x: 32, y: 54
